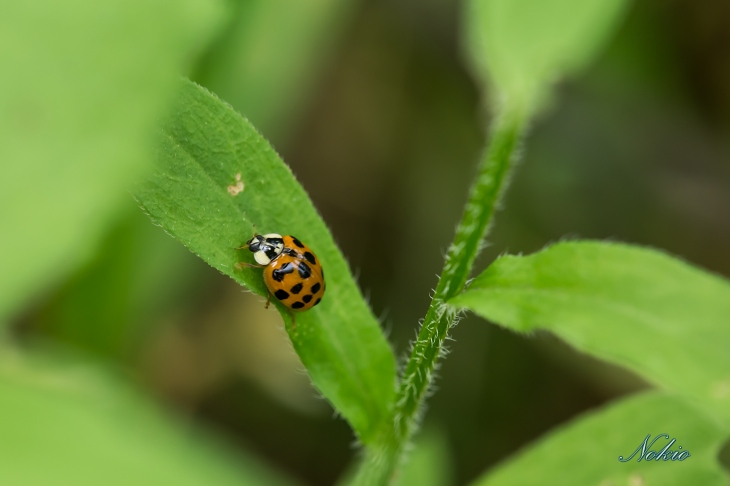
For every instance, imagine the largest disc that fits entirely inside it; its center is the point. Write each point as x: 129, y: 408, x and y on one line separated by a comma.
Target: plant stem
x: 381, y: 463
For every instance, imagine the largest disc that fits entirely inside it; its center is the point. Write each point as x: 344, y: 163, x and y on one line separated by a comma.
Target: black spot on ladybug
x: 310, y: 258
x: 297, y: 242
x: 317, y: 302
x: 296, y: 289
x: 307, y: 298
x: 281, y: 294
x: 270, y: 252
x: 290, y: 252
x: 304, y: 270
x: 297, y: 305
x: 279, y: 273
x: 315, y: 288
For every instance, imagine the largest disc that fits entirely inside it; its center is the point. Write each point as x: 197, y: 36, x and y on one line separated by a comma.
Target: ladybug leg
x: 268, y: 301
x: 242, y: 265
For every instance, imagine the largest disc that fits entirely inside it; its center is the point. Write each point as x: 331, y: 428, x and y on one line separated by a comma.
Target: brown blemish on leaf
x: 237, y: 188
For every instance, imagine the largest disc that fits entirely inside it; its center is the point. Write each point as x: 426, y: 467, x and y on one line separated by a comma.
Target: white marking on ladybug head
x: 266, y: 247
x: 261, y: 258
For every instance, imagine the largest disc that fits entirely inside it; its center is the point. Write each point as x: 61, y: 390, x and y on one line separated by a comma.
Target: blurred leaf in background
x: 270, y: 56
x: 524, y: 46
x: 99, y: 431
x: 84, y: 85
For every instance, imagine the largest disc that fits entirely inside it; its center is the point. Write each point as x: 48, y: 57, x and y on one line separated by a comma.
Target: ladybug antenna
x: 249, y: 241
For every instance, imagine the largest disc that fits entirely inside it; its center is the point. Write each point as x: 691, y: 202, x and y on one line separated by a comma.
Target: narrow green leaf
x: 586, y: 451
x: 523, y: 46
x: 83, y: 85
x: 77, y: 427
x: 217, y: 178
x: 658, y: 316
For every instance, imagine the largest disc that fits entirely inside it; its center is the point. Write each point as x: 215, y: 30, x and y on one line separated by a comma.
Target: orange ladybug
x: 292, y: 272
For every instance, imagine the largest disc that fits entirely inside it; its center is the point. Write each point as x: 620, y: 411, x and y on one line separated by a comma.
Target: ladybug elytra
x: 292, y: 272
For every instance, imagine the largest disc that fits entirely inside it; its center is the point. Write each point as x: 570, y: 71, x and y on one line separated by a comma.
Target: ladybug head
x: 265, y: 247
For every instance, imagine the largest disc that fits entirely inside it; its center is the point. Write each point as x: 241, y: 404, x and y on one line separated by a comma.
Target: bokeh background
x: 373, y: 107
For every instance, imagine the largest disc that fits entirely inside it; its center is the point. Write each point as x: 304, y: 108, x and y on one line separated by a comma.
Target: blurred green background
x: 371, y: 105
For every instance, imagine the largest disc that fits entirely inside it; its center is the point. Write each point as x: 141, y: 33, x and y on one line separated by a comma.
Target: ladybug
x: 291, y: 271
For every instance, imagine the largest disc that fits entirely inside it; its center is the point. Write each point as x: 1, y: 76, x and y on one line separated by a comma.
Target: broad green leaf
x: 83, y: 85
x: 77, y: 427
x: 216, y: 179
x: 523, y: 46
x: 270, y: 57
x: 656, y: 315
x: 586, y: 451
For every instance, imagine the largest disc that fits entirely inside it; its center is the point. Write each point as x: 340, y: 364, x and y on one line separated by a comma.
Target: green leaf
x: 207, y: 149
x: 586, y: 450
x: 523, y: 46
x: 642, y: 309
x: 83, y: 85
x: 78, y: 428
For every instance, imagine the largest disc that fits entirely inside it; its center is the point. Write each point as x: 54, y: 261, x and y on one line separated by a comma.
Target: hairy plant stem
x: 381, y: 462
